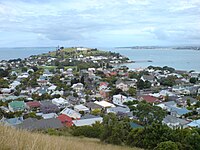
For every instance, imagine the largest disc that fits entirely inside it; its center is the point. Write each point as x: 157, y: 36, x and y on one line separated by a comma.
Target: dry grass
x: 12, y: 139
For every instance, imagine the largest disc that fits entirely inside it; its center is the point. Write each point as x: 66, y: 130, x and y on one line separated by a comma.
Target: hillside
x: 12, y: 139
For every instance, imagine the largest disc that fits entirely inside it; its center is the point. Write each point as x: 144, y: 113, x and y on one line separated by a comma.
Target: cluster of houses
x: 66, y: 109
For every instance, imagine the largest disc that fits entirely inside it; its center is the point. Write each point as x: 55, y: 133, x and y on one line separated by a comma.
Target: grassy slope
x: 12, y: 139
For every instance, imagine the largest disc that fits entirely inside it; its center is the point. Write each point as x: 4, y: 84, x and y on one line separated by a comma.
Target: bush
x: 93, y: 131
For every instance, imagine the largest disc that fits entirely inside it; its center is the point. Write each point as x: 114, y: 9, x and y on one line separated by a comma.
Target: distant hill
x: 12, y: 139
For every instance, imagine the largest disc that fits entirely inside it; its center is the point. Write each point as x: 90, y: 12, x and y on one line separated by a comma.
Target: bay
x: 179, y: 59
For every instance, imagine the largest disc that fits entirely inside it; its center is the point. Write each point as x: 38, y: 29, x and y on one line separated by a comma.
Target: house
x: 49, y: 115
x: 73, y: 100
x: 42, y: 90
x: 149, y: 99
x: 48, y: 107
x: 167, y: 105
x: 12, y: 121
x: 174, y: 122
x: 33, y: 124
x: 195, y: 123
x: 116, y: 110
x: 57, y: 93
x: 16, y: 106
x: 180, y: 90
x: 119, y: 99
x: 4, y: 109
x: 42, y: 80
x: 60, y: 102
x: 66, y: 120
x: 151, y: 79
x: 71, y: 113
x: 125, y: 85
x: 104, y: 104
x: 14, y: 84
x: 33, y: 105
x: 83, y: 49
x: 105, y: 93
x: 78, y: 87
x: 52, y: 88
x: 93, y: 106
x: 183, y: 100
x: 11, y: 97
x: 23, y: 76
x: 103, y: 85
x: 178, y: 111
x: 87, y: 122
x: 81, y: 108
x: 6, y: 90
x: 195, y: 74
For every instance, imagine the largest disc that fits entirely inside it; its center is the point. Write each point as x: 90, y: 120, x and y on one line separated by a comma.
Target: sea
x: 180, y: 59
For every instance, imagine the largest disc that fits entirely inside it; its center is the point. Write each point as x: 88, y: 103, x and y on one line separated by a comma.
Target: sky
x: 99, y: 23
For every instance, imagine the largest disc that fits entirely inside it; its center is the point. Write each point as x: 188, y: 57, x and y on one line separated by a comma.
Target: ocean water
x: 22, y: 52
x: 179, y: 59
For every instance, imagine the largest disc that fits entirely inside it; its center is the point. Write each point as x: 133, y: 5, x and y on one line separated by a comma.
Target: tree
x: 3, y: 83
x: 4, y: 73
x: 169, y: 81
x: 188, y: 102
x: 143, y: 85
x: 115, y: 130
x: 82, y: 80
x: 193, y: 80
x: 132, y: 91
x: 148, y: 113
x: 168, y: 145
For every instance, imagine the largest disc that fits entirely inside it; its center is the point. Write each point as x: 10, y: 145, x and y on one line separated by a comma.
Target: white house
x: 88, y: 122
x: 49, y: 115
x: 104, y: 104
x: 119, y: 99
x: 61, y: 102
x: 71, y: 113
x: 81, y: 108
x: 14, y: 84
x: 52, y: 88
x: 78, y: 87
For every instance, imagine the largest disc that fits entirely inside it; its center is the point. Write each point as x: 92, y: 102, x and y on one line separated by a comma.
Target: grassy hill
x: 12, y: 139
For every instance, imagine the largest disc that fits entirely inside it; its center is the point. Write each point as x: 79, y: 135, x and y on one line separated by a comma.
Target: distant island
x: 163, y: 47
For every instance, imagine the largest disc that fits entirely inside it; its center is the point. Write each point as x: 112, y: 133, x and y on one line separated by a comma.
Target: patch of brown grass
x: 12, y: 139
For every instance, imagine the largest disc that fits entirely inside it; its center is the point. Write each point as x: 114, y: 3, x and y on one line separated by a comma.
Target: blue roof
x: 195, y: 123
x: 14, y: 121
x: 180, y: 111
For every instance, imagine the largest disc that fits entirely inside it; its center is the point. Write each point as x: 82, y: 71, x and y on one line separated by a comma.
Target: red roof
x: 150, y: 99
x: 33, y: 104
x: 113, y: 73
x: 104, y: 83
x: 65, y: 120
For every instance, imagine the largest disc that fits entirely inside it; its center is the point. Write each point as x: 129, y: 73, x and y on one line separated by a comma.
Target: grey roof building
x: 34, y: 124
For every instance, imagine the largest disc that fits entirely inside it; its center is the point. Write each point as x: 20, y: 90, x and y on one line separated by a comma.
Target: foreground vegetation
x: 12, y: 139
x: 118, y: 131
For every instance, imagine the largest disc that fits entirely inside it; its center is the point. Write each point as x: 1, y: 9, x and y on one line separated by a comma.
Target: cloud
x: 94, y: 22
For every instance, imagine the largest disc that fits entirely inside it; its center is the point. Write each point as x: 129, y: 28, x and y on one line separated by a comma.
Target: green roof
x: 17, y: 105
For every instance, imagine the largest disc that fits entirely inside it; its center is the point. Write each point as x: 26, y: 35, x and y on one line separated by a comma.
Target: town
x: 75, y: 87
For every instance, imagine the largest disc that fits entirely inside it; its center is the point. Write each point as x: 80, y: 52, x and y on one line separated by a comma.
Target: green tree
x: 132, y: 91
x: 148, y: 113
x: 168, y: 145
x: 3, y: 83
x: 115, y: 130
x: 188, y: 102
x: 193, y: 80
